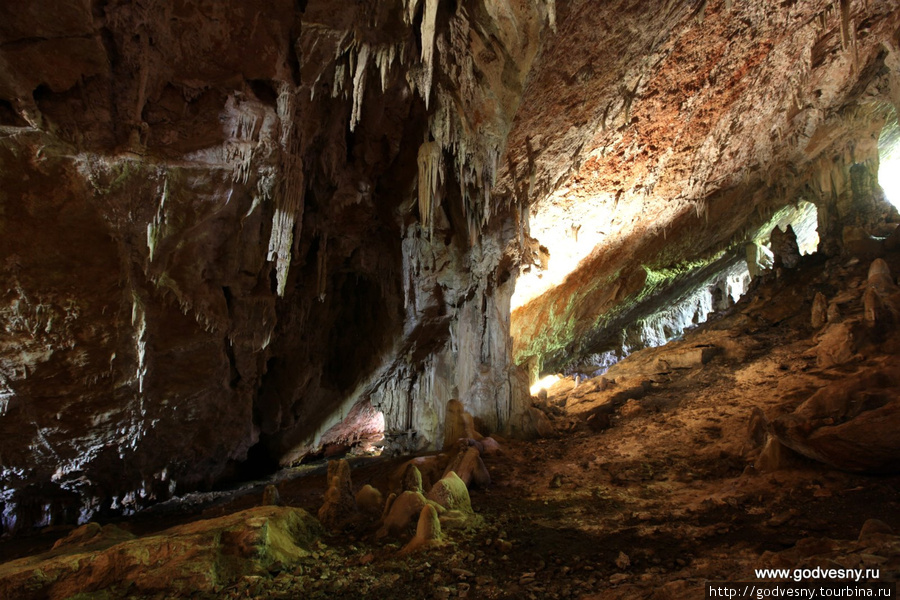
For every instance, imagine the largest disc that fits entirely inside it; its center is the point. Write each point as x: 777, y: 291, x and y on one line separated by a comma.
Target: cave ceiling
x: 227, y: 226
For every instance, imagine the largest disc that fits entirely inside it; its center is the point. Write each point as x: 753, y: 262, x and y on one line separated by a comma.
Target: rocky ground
x: 673, y: 469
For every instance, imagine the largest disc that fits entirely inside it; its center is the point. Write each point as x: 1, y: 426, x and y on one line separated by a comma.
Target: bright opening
x: 544, y: 384
x: 889, y: 160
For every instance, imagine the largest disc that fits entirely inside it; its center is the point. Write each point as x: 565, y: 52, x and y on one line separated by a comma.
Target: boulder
x: 837, y: 344
x: 199, y: 557
x: 542, y: 424
x: 852, y: 424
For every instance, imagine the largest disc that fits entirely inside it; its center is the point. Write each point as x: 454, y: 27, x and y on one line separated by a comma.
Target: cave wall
x: 705, y: 119
x: 230, y: 226
x: 225, y: 224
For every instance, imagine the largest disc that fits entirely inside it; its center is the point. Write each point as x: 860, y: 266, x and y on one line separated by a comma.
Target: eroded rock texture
x: 227, y: 226
x: 224, y: 224
x: 669, y: 137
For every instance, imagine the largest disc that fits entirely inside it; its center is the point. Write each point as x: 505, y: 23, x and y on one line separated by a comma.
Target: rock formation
x: 227, y: 226
x: 234, y: 233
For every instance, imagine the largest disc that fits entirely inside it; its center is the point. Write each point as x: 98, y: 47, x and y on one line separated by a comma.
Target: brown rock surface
x: 215, y: 248
x: 235, y: 231
x: 199, y: 557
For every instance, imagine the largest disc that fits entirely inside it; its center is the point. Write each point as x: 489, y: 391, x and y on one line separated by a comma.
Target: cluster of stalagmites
x: 430, y: 493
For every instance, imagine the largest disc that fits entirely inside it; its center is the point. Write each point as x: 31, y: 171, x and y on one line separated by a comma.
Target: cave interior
x: 448, y: 298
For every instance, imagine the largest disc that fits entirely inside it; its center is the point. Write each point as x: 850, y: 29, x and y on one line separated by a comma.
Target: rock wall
x: 224, y: 224
x: 704, y: 120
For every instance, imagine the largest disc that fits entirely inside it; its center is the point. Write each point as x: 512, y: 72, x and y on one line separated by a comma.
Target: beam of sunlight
x: 544, y: 384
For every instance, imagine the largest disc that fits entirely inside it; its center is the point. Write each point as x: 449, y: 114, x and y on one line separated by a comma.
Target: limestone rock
x: 270, y: 496
x: 339, y: 505
x: 491, y: 446
x: 458, y: 424
x: 834, y: 312
x: 880, y: 277
x: 774, y: 457
x: 469, y: 467
x: 430, y: 468
x: 451, y: 493
x: 542, y: 424
x: 369, y: 501
x: 201, y: 556
x: 92, y: 536
x: 401, y: 513
x: 784, y: 248
x: 819, y: 311
x: 858, y: 242
x: 852, y: 424
x: 428, y: 531
x: 631, y: 408
x: 874, y: 527
x: 686, y: 358
x: 387, y: 505
x: 837, y: 344
x: 412, y: 479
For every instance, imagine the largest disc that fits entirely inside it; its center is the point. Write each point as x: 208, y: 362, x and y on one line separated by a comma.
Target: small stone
x: 623, y: 561
x: 873, y: 527
x: 618, y: 578
x: 462, y: 573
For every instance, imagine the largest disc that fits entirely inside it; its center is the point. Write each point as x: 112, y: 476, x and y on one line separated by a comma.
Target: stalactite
x: 139, y: 322
x: 289, y: 203
x: 359, y: 85
x: 844, y: 6
x: 430, y: 180
x: 154, y: 227
x: 429, y: 23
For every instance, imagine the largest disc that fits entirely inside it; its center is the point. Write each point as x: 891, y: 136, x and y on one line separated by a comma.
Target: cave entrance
x: 889, y: 159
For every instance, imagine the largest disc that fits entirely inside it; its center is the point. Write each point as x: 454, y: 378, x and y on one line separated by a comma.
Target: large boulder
x: 197, y: 557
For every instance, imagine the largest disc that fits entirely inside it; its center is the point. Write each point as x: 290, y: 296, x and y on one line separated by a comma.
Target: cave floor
x: 660, y: 502
x: 664, y: 499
